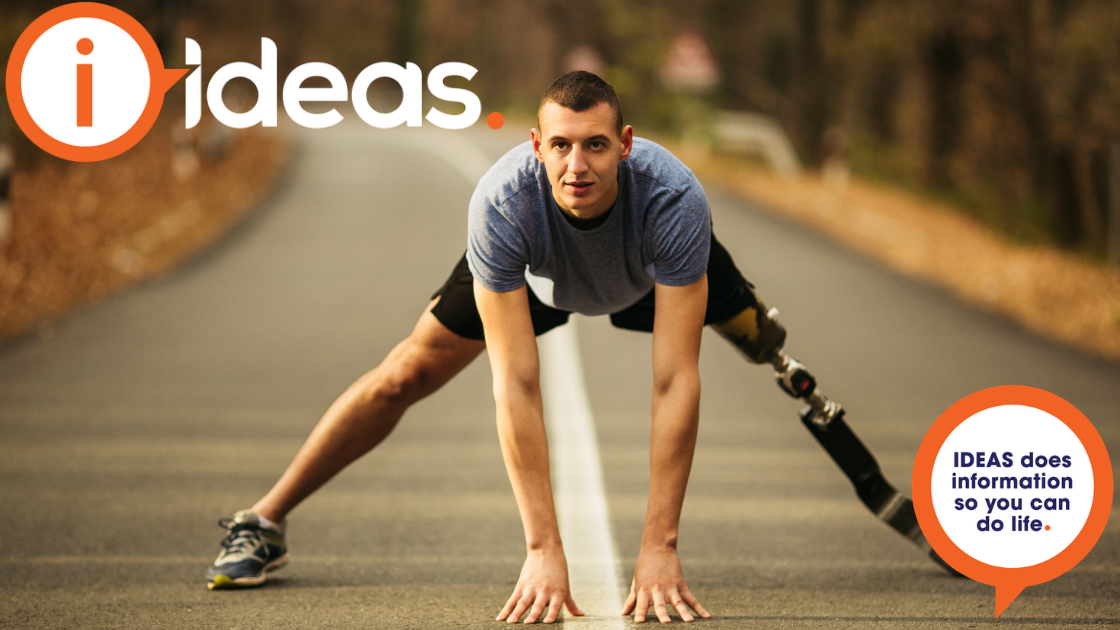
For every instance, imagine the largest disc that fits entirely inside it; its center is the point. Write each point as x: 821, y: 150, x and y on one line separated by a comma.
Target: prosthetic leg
x: 759, y: 336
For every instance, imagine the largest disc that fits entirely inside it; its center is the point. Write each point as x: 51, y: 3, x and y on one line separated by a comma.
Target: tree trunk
x: 1088, y: 206
x: 882, y: 95
x: 1114, y: 205
x: 1065, y: 225
x: 944, y: 62
x: 408, y: 32
x: 1047, y: 163
x: 809, y: 83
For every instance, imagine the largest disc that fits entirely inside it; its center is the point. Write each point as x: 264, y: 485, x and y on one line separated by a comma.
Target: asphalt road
x: 130, y: 427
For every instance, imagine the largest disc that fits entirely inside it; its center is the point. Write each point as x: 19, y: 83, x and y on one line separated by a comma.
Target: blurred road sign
x: 584, y: 57
x: 689, y: 65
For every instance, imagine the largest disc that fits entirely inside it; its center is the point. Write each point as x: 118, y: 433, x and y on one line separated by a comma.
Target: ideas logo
x: 85, y: 82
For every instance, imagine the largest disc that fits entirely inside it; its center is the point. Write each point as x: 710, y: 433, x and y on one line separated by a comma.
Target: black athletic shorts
x: 728, y: 294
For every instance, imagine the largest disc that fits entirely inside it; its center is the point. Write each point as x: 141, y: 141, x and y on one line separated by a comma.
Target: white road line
x: 577, y: 476
x: 451, y: 147
x: 581, y: 502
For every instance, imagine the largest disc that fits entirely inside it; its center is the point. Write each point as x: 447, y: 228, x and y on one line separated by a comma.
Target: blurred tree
x: 1009, y: 106
x: 166, y: 25
x: 945, y: 66
x: 1048, y: 168
x: 408, y: 31
x: 809, y: 84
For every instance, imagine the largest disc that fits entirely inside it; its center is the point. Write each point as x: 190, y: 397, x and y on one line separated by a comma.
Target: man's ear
x: 627, y: 142
x: 536, y: 143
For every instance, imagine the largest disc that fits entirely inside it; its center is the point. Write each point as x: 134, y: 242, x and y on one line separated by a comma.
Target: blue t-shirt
x: 659, y: 230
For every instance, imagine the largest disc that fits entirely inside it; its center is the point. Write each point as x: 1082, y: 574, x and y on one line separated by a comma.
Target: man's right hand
x: 543, y: 584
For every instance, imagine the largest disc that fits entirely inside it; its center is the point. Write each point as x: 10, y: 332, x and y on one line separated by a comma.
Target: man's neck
x: 587, y: 224
x: 589, y: 218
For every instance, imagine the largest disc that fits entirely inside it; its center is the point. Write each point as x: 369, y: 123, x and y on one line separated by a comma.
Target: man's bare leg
x: 368, y: 410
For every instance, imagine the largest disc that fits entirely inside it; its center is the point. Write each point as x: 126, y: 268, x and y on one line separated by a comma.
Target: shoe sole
x: 225, y: 582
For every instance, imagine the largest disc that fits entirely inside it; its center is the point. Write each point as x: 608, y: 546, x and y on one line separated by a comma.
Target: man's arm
x: 677, y: 326
x: 512, y: 346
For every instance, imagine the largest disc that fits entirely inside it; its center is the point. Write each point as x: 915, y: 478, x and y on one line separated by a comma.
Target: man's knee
x: 421, y: 364
x: 404, y: 377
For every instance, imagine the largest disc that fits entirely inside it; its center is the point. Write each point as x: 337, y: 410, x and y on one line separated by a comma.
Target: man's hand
x: 658, y: 582
x: 543, y: 583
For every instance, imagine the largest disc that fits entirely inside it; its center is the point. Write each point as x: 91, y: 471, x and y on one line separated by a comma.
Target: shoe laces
x: 241, y: 537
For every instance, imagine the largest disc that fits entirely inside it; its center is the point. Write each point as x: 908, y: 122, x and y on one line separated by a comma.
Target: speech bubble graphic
x: 86, y: 82
x: 1012, y: 487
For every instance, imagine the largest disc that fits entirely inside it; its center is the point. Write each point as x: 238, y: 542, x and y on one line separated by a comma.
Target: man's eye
x: 560, y: 146
x: 597, y: 145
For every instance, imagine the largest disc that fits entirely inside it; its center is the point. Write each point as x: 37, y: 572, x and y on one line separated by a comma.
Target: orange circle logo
x: 1012, y: 487
x: 86, y: 82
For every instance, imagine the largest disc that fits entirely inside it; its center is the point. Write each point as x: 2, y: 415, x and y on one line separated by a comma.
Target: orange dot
x: 495, y: 120
x: 85, y: 46
x: 1047, y: 528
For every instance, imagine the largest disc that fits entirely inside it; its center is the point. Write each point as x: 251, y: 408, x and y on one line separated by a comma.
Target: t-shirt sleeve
x: 497, y: 252
x: 682, y: 234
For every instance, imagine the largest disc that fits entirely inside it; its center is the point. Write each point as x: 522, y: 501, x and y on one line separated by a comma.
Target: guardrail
x: 756, y: 134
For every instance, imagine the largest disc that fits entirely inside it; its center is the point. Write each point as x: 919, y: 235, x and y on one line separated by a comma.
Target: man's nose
x: 576, y: 162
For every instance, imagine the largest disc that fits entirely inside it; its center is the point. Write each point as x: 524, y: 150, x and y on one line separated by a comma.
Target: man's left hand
x: 658, y: 582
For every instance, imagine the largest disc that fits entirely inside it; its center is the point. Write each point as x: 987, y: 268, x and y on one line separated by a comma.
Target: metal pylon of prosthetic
x: 758, y: 335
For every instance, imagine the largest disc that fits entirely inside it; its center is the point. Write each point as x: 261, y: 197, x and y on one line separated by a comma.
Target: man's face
x: 580, y: 152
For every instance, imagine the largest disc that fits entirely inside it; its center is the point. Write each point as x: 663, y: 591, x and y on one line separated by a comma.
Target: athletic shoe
x: 248, y: 552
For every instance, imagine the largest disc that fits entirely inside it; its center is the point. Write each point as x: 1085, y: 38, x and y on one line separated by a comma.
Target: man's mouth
x: 578, y: 188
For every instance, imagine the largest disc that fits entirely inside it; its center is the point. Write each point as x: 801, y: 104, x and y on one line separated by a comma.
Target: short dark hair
x: 579, y: 91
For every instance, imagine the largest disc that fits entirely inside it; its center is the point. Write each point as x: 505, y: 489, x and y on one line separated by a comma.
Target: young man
x: 586, y: 219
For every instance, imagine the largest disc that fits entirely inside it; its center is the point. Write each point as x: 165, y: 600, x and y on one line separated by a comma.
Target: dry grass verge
x: 82, y: 231
x: 1051, y: 292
